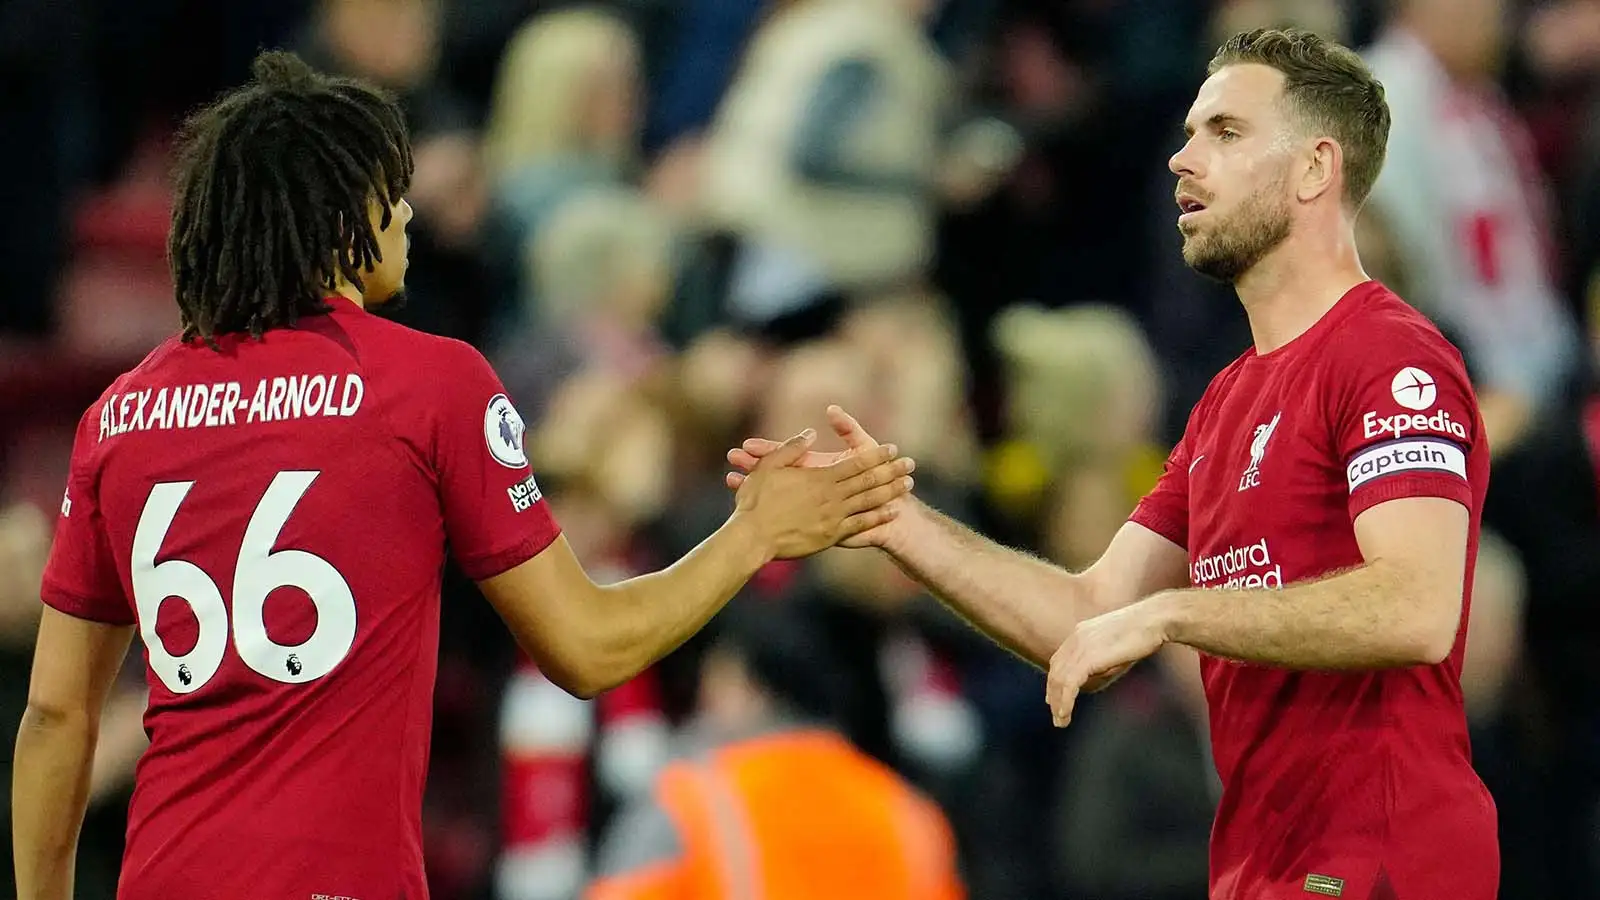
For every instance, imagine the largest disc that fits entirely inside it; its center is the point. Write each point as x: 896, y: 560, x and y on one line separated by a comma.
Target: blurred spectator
x: 767, y: 798
x: 598, y: 275
x: 1492, y: 674
x: 552, y: 743
x: 1083, y: 400
x: 397, y: 44
x: 1134, y: 818
x: 1582, y: 274
x: 1554, y: 78
x: 913, y: 356
x: 591, y: 369
x: 1494, y: 630
x: 704, y: 53
x: 691, y: 220
x: 1562, y: 39
x: 896, y: 360
x: 564, y: 118
x: 394, y: 43
x: 824, y: 158
x: 40, y: 71
x: 1545, y: 499
x: 1461, y: 193
x: 610, y: 435
x: 842, y: 590
x: 24, y: 545
x: 1077, y: 450
x: 566, y: 96
x: 1329, y: 19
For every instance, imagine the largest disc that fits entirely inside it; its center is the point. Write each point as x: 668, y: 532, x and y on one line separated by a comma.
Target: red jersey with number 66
x: 275, y: 519
x: 1353, y: 784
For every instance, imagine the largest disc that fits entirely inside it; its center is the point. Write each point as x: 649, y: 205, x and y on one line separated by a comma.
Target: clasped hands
x: 1097, y: 651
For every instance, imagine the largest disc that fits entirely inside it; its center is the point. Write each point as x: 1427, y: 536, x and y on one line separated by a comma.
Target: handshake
x: 799, y: 502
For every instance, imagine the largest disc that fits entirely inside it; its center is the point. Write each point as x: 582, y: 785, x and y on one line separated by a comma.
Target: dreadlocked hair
x: 274, y: 182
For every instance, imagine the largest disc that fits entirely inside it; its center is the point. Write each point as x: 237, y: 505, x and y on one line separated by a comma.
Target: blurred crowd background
x: 674, y: 223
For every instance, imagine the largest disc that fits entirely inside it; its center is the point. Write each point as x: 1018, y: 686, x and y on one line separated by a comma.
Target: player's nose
x: 1182, y: 163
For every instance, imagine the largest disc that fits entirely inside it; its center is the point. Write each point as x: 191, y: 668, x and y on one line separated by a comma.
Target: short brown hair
x: 1330, y: 87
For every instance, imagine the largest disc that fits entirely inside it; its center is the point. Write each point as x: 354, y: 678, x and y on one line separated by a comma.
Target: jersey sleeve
x: 1165, y: 510
x: 1405, y: 422
x: 80, y: 576
x: 495, y: 516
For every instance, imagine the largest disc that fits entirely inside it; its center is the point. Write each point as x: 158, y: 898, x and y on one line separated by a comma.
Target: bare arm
x: 74, y: 664
x: 1024, y: 603
x: 1402, y: 607
x: 587, y: 638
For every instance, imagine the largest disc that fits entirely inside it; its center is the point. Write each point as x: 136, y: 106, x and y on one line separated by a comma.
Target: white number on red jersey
x: 258, y: 572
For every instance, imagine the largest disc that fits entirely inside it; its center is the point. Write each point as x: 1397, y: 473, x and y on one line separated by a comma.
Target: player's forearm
x: 50, y: 786
x: 1366, y: 618
x: 643, y: 619
x: 1022, y: 602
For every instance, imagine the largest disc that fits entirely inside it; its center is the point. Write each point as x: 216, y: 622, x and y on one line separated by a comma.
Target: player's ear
x: 1321, y: 167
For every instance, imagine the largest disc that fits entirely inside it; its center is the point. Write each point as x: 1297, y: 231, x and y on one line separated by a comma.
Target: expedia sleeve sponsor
x: 1417, y: 422
x: 1408, y: 455
x: 1401, y: 424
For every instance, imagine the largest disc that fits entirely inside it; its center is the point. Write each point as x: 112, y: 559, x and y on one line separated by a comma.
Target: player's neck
x: 351, y: 292
x: 1294, y: 287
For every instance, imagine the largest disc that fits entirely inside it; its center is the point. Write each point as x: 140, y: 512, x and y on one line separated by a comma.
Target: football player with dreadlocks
x: 267, y: 501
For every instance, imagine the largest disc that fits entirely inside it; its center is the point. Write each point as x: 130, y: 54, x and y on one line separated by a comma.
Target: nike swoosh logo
x: 1196, y: 463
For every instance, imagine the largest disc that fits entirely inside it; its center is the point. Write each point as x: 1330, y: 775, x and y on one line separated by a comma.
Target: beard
x: 1233, y: 246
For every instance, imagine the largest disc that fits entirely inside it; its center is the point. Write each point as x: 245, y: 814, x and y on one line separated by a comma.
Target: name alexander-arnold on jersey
x: 275, y: 399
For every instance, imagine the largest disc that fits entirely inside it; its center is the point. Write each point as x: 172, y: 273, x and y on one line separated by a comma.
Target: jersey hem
x: 482, y: 568
x: 72, y: 604
x: 1164, y: 525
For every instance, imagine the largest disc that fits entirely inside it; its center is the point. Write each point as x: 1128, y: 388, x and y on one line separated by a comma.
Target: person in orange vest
x: 769, y: 801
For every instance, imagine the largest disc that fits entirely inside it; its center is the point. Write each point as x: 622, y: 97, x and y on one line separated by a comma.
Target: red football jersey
x: 1346, y: 784
x: 275, y: 518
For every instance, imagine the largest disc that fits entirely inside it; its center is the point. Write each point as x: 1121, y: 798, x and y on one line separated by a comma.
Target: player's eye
x: 1227, y: 135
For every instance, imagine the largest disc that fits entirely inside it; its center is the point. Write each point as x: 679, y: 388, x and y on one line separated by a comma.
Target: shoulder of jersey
x: 151, y: 361
x: 392, y: 345
x: 1387, y: 321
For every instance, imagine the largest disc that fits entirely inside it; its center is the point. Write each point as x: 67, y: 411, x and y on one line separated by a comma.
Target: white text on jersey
x: 1249, y: 566
x: 1398, y: 425
x: 273, y: 399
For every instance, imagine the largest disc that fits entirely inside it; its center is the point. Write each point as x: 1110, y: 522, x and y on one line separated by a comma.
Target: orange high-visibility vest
x: 797, y: 815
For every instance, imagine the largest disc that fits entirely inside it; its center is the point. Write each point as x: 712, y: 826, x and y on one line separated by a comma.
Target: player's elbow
x: 583, y: 682
x: 1433, y: 634
x: 1434, y: 644
x: 43, y: 717
x: 1426, y: 617
x: 579, y: 686
x: 581, y: 671
x: 560, y: 621
x: 588, y: 663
